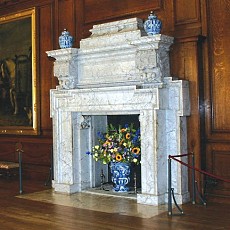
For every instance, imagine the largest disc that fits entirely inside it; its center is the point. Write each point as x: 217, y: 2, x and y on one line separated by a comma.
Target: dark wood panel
x: 105, y: 9
x: 66, y: 16
x: 218, y: 161
x: 184, y: 63
x: 163, y: 9
x: 39, y: 173
x: 7, y: 152
x: 45, y: 67
x: 79, y: 9
x: 18, y: 5
x: 186, y: 11
x: 221, y: 162
x: 36, y: 153
x: 187, y: 18
x: 219, y: 66
x: 35, y: 157
x: 217, y: 86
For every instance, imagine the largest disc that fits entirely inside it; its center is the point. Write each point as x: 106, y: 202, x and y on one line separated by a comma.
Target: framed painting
x: 18, y: 81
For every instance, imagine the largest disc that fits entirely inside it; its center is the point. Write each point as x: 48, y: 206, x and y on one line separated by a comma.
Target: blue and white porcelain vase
x: 152, y: 25
x: 120, y: 176
x: 65, y: 40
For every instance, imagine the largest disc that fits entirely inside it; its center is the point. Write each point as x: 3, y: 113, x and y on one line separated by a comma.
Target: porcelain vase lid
x: 152, y: 25
x: 65, y: 40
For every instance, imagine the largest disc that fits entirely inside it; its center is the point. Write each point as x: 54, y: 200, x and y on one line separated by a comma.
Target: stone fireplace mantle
x: 119, y: 70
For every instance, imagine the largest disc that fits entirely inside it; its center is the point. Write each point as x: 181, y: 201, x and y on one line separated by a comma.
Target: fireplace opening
x: 116, y: 120
x: 103, y: 180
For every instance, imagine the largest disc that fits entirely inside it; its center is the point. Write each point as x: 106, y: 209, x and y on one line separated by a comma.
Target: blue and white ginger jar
x: 65, y: 40
x: 152, y: 25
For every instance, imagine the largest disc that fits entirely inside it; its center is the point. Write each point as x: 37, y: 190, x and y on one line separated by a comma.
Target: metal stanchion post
x: 135, y: 183
x: 169, y: 188
x: 102, y: 179
x: 20, y: 171
x: 193, y: 180
x: 18, y: 148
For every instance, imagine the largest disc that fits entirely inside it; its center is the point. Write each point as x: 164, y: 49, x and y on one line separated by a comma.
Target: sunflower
x: 136, y: 150
x: 127, y: 136
x: 118, y: 157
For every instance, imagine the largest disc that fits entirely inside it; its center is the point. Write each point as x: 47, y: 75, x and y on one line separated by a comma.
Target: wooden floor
x: 16, y: 213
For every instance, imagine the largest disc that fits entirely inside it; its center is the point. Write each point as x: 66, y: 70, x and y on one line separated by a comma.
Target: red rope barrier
x: 199, y: 170
x: 182, y: 155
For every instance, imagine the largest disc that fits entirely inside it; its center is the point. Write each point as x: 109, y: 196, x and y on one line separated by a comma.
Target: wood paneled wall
x: 188, y: 21
x: 178, y: 17
x: 37, y: 149
x: 217, y: 97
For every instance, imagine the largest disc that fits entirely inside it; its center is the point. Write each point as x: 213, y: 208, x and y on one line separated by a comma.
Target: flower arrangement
x: 118, y: 145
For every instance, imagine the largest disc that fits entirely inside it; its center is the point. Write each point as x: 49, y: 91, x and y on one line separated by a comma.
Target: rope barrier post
x: 199, y: 195
x: 169, y: 187
x: 174, y: 199
x: 50, y: 176
x: 193, y: 180
x: 18, y: 148
x: 20, y: 171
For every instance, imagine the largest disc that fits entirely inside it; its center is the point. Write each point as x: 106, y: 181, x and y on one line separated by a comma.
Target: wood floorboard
x: 26, y: 214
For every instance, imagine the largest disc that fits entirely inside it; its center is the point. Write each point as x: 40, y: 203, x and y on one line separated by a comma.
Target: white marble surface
x: 100, y: 203
x: 119, y: 71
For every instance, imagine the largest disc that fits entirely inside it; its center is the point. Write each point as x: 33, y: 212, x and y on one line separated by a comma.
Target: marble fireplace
x: 119, y: 70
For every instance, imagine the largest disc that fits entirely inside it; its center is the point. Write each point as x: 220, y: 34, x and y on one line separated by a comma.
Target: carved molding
x: 117, y: 53
x: 65, y: 67
x: 85, y: 124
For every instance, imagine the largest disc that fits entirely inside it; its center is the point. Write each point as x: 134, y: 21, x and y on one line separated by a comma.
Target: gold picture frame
x: 19, y: 110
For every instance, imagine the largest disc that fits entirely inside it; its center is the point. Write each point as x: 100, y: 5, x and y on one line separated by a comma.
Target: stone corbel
x: 146, y: 64
x: 65, y: 67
